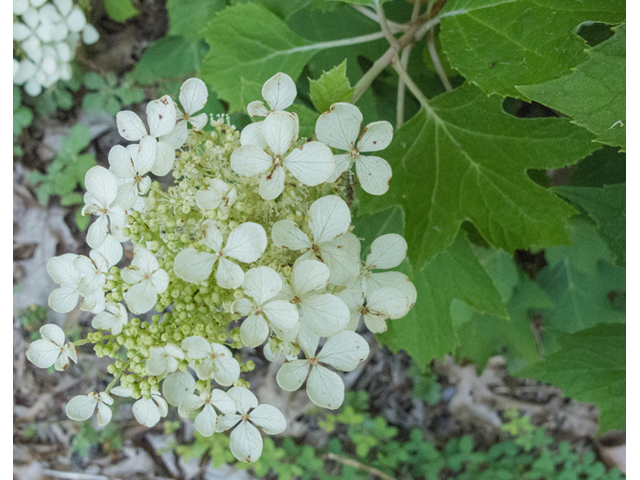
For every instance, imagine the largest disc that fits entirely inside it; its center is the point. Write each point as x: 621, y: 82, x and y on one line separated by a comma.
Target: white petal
x: 311, y: 164
x: 20, y: 31
x: 389, y: 302
x: 62, y: 269
x: 254, y: 331
x: 244, y: 398
x: 246, y: 242
x: 120, y: 162
x: 329, y: 218
x: 64, y: 299
x: 387, y: 251
x: 269, y: 418
x: 325, y: 388
x: 392, y: 279
x: 279, y: 91
x: 262, y: 284
x: 122, y: 392
x: 176, y: 137
x: 190, y: 404
x: 257, y: 109
x: 130, y: 126
x: 81, y: 407
x: 193, y: 266
x: 222, y: 401
x: 252, y: 135
x: 177, y: 386
x: 208, y: 200
x: 272, y: 185
x: 144, y: 260
x: 104, y: 414
x: 375, y: 322
x: 308, y: 341
x: 250, y: 160
x: 325, y: 315
x: 287, y: 234
x: 145, y: 156
x: 292, y: 375
x: 212, y: 236
x: 43, y: 353
x: 111, y: 249
x: 98, y: 231
x: 161, y: 115
x: 281, y: 313
x: 76, y: 20
x: 198, y: 122
x: 53, y: 333
x: 146, y: 412
x: 157, y: 362
x: 376, y: 136
x: 104, y: 320
x: 309, y: 276
x: 20, y: 6
x: 127, y: 195
x: 141, y: 298
x: 102, y: 185
x: 280, y: 130
x: 206, y: 421
x: 228, y: 274
x: 166, y: 155
x: 227, y: 368
x: 344, y: 351
x: 246, y: 442
x: 193, y: 95
x: 342, y: 256
x: 374, y: 174
x: 89, y: 34
x: 243, y: 306
x: 340, y: 126
x: 227, y: 421
x: 196, y: 347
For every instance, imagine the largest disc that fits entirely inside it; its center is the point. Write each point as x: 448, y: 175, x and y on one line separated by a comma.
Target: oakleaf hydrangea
x: 252, y: 246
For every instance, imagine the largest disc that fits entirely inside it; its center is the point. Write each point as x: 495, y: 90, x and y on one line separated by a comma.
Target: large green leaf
x: 594, y: 94
x: 249, y: 42
x: 581, y: 282
x: 604, y: 167
x: 466, y: 159
x: 427, y: 331
x: 188, y: 19
x: 170, y: 58
x: 498, y: 44
x: 590, y: 367
x: 607, y: 207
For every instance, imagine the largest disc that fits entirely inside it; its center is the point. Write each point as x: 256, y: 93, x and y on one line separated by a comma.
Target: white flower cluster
x: 47, y: 36
x: 252, y: 232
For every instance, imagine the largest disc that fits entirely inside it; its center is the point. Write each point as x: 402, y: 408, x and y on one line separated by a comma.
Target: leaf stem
x: 358, y: 465
x: 406, y: 78
x: 395, y: 27
x: 404, y: 60
x: 384, y: 25
x: 431, y: 46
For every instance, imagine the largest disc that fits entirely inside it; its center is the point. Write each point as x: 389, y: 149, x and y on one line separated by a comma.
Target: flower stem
x: 358, y: 465
x: 431, y: 46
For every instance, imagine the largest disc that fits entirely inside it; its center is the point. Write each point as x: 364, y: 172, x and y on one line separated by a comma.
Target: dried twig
x: 358, y: 465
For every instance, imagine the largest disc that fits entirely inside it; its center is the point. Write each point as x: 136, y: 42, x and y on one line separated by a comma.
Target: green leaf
x: 113, y: 106
x: 368, y: 3
x: 169, y: 58
x: 120, y: 10
x: 607, y: 208
x: 590, y: 367
x: 249, y: 42
x: 579, y: 280
x: 604, y: 167
x: 332, y: 87
x: 129, y: 94
x: 466, y: 159
x: 82, y: 221
x: 93, y: 102
x: 22, y: 118
x: 594, y: 94
x: 188, y: 19
x: 72, y: 198
x: 93, y: 81
x: 79, y: 137
x: 498, y: 44
x: 427, y: 331
x: 307, y: 117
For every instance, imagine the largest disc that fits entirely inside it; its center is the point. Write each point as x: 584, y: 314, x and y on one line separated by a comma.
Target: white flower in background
x: 339, y: 128
x: 218, y: 362
x: 262, y: 284
x: 387, y: 251
x: 207, y: 420
x: 164, y: 360
x: 51, y: 349
x: 376, y: 307
x: 48, y: 35
x: 161, y: 116
x: 329, y: 221
x: 114, y: 318
x: 286, y: 350
x: 219, y: 196
x: 178, y: 386
x: 149, y: 411
x: 94, y: 270
x: 193, y: 97
x: 323, y: 313
x: 246, y: 243
x: 102, y: 189
x: 111, y: 249
x: 311, y: 164
x: 246, y: 442
x: 147, y: 280
x: 130, y: 166
x: 65, y: 298
x: 343, y: 351
x: 279, y: 92
x: 82, y: 407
